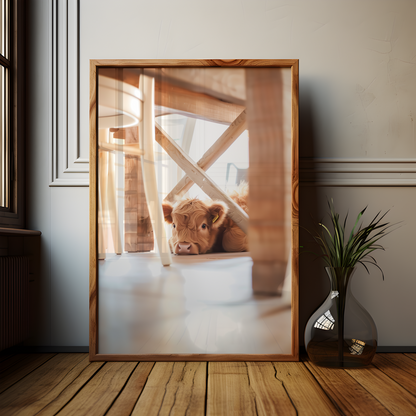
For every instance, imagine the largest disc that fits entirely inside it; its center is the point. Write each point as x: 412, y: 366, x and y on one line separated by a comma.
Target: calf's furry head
x: 195, y: 222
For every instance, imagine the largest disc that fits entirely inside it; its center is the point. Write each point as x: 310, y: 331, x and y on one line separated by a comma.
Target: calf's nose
x: 184, y: 248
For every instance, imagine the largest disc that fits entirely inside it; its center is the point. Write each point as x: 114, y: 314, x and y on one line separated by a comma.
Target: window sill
x: 19, y: 232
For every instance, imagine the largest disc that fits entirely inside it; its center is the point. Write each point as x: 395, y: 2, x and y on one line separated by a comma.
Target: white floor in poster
x: 199, y: 304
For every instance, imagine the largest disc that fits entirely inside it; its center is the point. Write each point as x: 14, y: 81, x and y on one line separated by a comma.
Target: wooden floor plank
x: 393, y: 397
x: 174, y: 388
x: 126, y: 401
x: 402, y: 361
x: 271, y: 396
x: 229, y: 391
x: 345, y: 392
x: 75, y: 380
x: 411, y: 355
x: 400, y: 375
x: 19, y: 366
x: 68, y: 384
x: 35, y: 391
x: 12, y: 360
x: 265, y: 392
x: 96, y: 397
x: 304, y: 391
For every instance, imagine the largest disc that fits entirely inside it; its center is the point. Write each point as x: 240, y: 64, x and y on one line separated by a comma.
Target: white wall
x: 61, y: 213
x: 357, y: 130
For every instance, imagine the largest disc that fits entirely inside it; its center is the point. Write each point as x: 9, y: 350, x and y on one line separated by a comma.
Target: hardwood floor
x: 68, y: 384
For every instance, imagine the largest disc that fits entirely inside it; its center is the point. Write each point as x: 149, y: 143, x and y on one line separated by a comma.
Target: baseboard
x: 380, y: 349
x: 396, y: 349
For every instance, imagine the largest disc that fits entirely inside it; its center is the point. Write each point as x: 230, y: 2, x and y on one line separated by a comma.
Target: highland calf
x: 200, y: 227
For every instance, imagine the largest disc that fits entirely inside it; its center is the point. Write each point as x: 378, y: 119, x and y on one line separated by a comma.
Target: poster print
x: 194, y: 210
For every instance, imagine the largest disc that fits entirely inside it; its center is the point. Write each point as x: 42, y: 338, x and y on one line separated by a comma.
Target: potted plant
x: 341, y: 333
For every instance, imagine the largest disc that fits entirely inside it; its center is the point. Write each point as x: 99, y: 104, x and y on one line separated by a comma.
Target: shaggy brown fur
x: 234, y: 239
x: 200, y: 227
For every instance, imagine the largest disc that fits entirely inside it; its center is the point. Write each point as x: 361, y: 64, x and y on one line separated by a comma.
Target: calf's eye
x: 174, y: 226
x: 204, y: 226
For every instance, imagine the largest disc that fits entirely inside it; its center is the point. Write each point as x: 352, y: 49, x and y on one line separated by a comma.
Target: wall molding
x: 357, y: 172
x: 355, y: 160
x: 359, y: 183
x: 68, y: 167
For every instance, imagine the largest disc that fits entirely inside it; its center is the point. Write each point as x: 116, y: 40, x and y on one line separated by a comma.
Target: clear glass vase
x: 341, y: 333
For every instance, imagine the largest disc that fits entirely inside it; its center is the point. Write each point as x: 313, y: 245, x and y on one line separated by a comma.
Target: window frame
x: 6, y: 68
x: 13, y: 216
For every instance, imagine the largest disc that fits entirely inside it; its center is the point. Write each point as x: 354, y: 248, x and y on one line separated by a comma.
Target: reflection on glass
x: 325, y: 322
x: 4, y: 151
x: 357, y: 347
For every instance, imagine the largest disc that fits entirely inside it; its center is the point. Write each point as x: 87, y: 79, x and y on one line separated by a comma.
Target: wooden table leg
x: 269, y: 178
x: 138, y: 232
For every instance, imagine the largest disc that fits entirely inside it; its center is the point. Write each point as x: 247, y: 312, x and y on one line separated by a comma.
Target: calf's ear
x: 167, y: 212
x: 218, y: 212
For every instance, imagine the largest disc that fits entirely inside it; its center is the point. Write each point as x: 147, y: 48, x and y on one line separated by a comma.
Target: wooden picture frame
x: 178, y: 91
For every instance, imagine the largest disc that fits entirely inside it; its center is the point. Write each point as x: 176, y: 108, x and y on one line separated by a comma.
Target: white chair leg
x: 112, y: 204
x: 119, y: 194
x: 102, y: 198
x: 147, y: 139
x: 100, y: 216
x: 109, y: 194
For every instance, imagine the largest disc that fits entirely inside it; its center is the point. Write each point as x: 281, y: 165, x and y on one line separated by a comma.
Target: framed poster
x: 194, y: 210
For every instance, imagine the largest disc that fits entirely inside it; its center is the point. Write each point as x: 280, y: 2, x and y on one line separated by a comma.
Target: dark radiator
x: 14, y: 300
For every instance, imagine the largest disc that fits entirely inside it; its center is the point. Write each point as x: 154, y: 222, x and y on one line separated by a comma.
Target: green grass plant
x: 342, y: 250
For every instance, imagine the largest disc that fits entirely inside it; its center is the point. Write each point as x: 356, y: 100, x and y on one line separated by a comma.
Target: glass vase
x: 341, y: 333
